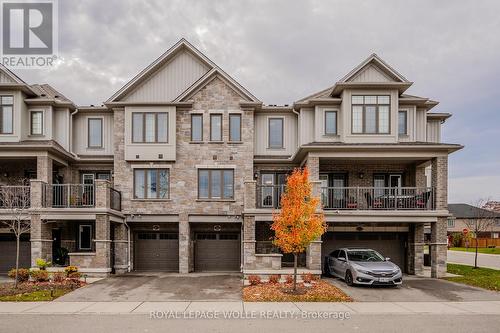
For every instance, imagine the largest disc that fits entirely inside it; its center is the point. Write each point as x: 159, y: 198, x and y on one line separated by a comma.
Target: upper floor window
x: 196, y: 127
x: 36, y: 122
x: 6, y: 114
x: 403, y: 122
x: 215, y: 183
x: 216, y: 127
x: 275, y: 131
x: 235, y: 127
x: 451, y: 222
x: 151, y: 183
x: 95, y: 133
x: 150, y: 127
x: 330, y: 122
x: 370, y: 114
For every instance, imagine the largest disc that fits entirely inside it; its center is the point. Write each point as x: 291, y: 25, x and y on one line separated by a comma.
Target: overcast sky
x: 284, y: 50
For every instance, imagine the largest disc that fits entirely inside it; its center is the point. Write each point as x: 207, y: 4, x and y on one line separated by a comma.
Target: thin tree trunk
x: 475, y: 257
x: 18, y: 239
x: 294, y: 271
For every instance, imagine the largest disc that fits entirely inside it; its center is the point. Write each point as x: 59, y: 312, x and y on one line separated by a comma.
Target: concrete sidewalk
x: 458, y: 308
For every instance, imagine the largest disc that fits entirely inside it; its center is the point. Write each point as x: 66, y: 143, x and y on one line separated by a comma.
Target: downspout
x: 128, y: 244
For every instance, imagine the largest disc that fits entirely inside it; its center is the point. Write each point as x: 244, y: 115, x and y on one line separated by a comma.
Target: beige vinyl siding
x: 150, y: 151
x: 262, y: 134
x: 47, y: 122
x: 319, y: 124
x: 433, y: 131
x: 170, y: 80
x: 345, y: 109
x: 19, y: 111
x: 61, y: 127
x: 421, y: 125
x: 411, y: 125
x: 4, y: 78
x: 371, y: 74
x: 306, y: 126
x: 80, y: 134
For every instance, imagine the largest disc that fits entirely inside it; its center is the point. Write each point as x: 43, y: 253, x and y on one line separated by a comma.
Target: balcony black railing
x: 116, y: 199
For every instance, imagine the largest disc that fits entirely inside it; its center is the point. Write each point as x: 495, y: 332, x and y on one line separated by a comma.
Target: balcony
x: 357, y: 198
x: 80, y: 196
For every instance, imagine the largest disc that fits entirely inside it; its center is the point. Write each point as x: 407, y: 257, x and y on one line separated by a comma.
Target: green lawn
x: 480, y: 277
x: 494, y: 250
x: 35, y: 296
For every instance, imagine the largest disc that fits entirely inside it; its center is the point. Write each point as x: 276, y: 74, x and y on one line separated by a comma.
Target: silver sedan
x: 362, y: 266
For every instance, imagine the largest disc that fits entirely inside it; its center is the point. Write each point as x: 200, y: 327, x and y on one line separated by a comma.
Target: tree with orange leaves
x: 298, y: 223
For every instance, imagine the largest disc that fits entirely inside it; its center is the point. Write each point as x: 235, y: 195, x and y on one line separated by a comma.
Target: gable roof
x: 466, y: 211
x: 394, y: 79
x: 182, y: 44
x: 10, y: 75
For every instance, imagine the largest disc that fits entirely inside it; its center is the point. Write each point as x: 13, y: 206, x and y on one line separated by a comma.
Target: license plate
x: 384, y: 279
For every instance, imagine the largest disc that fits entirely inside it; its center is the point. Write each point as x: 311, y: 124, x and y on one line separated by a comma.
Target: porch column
x: 102, y: 193
x: 416, y: 249
x: 121, y: 248
x: 249, y: 259
x: 102, y: 243
x: 420, y: 178
x: 184, y: 243
x: 44, y: 168
x: 250, y: 194
x: 313, y: 255
x: 439, y: 239
x: 41, y: 240
x: 312, y: 164
x: 313, y: 252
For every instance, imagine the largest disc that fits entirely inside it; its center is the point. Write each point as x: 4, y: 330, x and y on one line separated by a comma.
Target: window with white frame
x: 403, y: 122
x: 6, y: 114
x: 36, y: 122
x: 451, y: 222
x: 150, y: 127
x: 95, y: 132
x: 370, y: 114
x: 330, y: 122
x: 275, y: 132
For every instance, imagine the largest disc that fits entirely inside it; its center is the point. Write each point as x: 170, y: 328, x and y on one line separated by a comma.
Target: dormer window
x: 6, y: 114
x: 370, y: 114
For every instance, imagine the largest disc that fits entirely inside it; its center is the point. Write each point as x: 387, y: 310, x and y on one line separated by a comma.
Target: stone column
x: 102, y: 193
x: 420, y: 178
x: 121, y: 248
x: 102, y: 243
x: 440, y: 181
x: 249, y: 242
x: 37, y: 189
x: 44, y: 168
x: 312, y: 164
x: 313, y: 252
x: 41, y: 240
x: 313, y: 255
x: 250, y: 194
x: 184, y: 243
x: 438, y: 247
x: 416, y: 249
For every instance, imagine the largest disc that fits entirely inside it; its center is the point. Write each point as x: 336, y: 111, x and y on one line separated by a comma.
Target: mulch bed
x: 37, y: 291
x: 317, y: 291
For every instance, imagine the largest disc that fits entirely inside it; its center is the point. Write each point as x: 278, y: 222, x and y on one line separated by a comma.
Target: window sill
x: 215, y: 141
x: 275, y: 148
x: 95, y: 148
x: 403, y: 135
x: 235, y: 142
x: 331, y: 136
x: 215, y: 200
x: 36, y: 135
x: 197, y: 142
x: 82, y: 253
x: 156, y: 200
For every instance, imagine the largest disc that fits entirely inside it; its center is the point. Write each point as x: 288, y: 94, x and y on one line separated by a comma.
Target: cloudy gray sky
x: 284, y: 50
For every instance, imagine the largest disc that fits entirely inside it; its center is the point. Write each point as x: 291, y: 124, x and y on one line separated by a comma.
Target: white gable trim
x: 375, y: 59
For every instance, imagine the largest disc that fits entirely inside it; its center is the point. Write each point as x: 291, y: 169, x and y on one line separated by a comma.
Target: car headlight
x: 396, y: 270
x: 363, y: 271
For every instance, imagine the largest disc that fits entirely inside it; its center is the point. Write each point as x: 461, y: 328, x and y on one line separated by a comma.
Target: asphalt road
x: 142, y: 323
x: 467, y: 258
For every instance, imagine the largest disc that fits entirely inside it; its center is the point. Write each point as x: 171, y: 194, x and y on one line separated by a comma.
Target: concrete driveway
x: 417, y: 289
x: 156, y: 287
x: 467, y: 258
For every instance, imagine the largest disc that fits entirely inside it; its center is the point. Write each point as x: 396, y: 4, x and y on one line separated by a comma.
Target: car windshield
x: 364, y: 255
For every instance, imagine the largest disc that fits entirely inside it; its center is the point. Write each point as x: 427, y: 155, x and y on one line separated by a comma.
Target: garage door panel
x: 8, y: 252
x: 217, y: 252
x: 157, y: 252
x: 388, y: 244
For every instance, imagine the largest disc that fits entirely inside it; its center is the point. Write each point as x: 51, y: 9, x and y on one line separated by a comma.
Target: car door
x: 332, y: 258
x: 341, y: 263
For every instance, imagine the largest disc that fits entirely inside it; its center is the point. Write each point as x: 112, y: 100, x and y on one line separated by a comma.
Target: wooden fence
x: 482, y: 242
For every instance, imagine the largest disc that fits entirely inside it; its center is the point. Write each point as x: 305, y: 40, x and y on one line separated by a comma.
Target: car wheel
x: 326, y: 270
x: 348, y: 278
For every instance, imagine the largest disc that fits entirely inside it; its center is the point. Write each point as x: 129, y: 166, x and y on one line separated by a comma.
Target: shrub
x: 289, y: 279
x: 23, y: 274
x: 254, y: 280
x: 307, y: 278
x: 58, y: 277
x: 42, y: 264
x: 40, y: 275
x: 75, y: 275
x: 70, y: 269
x: 275, y: 278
